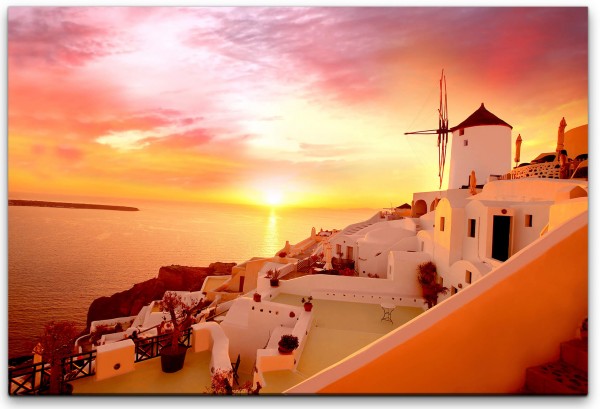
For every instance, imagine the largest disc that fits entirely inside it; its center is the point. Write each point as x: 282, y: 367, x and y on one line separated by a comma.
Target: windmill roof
x: 480, y: 117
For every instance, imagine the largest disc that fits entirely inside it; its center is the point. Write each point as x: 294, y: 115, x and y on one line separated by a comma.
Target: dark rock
x: 221, y: 268
x: 170, y: 278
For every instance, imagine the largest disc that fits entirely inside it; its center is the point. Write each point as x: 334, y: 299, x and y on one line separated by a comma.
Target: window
x: 442, y: 223
x: 466, y: 142
x: 453, y: 290
x: 338, y: 249
x: 528, y: 220
x: 471, y: 228
x: 440, y: 280
x: 461, y: 132
x: 468, y: 276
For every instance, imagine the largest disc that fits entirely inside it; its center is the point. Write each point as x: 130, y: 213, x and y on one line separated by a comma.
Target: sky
x: 291, y: 106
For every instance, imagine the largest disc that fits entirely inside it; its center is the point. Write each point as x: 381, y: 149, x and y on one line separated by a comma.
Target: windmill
x: 442, y: 131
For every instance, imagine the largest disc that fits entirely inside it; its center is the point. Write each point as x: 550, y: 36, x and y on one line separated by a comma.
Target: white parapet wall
x: 270, y: 359
x: 210, y: 336
x: 309, y: 284
x: 116, y: 358
x: 250, y: 325
x: 367, y: 297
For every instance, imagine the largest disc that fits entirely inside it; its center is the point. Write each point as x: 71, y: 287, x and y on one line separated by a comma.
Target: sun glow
x: 273, y: 198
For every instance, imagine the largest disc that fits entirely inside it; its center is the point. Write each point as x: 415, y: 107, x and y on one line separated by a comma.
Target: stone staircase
x: 567, y: 376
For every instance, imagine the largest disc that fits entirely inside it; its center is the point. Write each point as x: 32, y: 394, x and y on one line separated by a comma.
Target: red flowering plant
x: 220, y: 384
x: 182, y: 313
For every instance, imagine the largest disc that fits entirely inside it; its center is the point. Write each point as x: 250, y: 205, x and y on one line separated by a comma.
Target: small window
x: 468, y: 276
x: 528, y: 220
x: 453, y: 290
x: 440, y: 280
x: 466, y: 142
x: 461, y: 132
x: 442, y: 223
x: 338, y: 248
x: 471, y: 227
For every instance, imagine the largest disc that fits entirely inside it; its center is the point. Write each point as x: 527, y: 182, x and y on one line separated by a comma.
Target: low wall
x: 549, y: 170
x: 269, y: 359
x: 114, y: 359
x: 317, y: 282
x: 369, y: 298
x: 210, y: 335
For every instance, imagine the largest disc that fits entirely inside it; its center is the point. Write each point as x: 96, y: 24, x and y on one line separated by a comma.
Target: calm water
x: 60, y: 260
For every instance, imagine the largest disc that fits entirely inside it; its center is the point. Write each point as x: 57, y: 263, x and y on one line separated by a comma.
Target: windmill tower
x: 480, y: 143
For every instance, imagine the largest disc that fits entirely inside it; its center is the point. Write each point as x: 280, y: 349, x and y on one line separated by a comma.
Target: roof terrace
x: 339, y: 329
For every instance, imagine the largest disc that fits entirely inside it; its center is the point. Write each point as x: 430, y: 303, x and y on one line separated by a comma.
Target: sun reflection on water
x: 272, y: 243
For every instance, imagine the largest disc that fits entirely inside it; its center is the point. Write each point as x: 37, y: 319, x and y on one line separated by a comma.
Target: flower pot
x: 256, y: 297
x: 274, y: 282
x: 66, y: 389
x: 172, y: 358
x: 308, y: 306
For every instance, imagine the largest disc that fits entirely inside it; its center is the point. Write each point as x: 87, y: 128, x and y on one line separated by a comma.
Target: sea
x: 60, y: 260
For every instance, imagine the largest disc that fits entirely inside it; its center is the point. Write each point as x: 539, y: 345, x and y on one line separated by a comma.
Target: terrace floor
x: 338, y: 330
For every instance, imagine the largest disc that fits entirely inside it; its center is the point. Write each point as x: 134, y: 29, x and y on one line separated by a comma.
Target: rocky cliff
x: 173, y: 278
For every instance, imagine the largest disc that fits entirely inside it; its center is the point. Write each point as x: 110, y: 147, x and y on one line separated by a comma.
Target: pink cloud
x: 53, y: 36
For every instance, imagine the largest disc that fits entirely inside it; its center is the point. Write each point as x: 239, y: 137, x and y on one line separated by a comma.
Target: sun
x: 273, y: 198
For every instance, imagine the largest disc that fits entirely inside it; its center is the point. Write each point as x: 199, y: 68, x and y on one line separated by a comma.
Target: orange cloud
x: 217, y: 103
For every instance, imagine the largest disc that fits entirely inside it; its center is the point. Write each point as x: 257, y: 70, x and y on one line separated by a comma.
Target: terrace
x: 339, y: 329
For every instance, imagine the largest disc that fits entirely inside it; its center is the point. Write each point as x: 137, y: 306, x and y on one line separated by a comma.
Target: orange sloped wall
x: 484, y: 346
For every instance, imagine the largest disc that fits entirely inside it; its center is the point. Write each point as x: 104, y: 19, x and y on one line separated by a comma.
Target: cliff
x: 171, y: 278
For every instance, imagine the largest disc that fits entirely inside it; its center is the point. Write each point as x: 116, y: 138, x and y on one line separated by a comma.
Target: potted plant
x: 273, y: 276
x: 182, y: 316
x: 427, y: 275
x: 56, y: 342
x: 287, y: 344
x: 307, y: 303
x: 256, y: 297
x: 222, y: 381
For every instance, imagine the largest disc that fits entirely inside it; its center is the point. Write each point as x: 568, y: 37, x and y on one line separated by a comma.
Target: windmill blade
x: 442, y: 131
x: 426, y: 132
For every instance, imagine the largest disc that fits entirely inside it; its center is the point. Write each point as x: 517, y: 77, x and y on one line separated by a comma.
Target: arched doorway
x: 420, y: 208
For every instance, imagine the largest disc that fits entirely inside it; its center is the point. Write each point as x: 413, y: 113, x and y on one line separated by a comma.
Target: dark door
x: 501, y: 238
x: 350, y: 252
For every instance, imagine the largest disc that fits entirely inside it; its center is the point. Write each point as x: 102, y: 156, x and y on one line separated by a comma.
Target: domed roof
x: 478, y: 118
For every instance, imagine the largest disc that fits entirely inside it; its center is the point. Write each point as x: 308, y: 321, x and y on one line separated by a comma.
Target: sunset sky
x: 297, y: 106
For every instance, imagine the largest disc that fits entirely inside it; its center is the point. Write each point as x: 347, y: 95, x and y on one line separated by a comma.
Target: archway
x: 420, y: 208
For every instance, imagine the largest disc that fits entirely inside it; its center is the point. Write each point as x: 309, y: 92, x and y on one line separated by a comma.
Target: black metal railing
x: 31, y: 379
x: 78, y: 366
x: 28, y: 379
x: 148, y: 348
